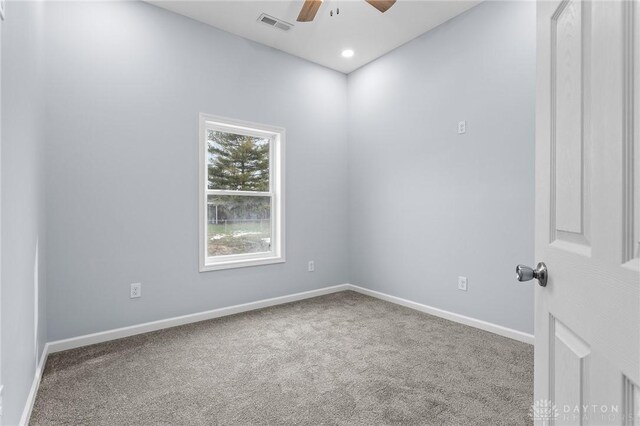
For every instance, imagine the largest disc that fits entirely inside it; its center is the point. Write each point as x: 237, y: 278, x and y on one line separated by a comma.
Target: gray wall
x: 100, y: 106
x: 23, y: 233
x: 125, y: 83
x: 427, y: 204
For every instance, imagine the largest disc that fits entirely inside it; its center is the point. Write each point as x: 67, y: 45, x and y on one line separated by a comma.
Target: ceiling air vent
x: 274, y: 22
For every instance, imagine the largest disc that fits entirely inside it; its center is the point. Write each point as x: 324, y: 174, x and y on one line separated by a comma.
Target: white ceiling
x: 359, y: 26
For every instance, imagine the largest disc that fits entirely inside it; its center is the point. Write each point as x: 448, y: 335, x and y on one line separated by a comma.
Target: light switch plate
x: 1, y: 398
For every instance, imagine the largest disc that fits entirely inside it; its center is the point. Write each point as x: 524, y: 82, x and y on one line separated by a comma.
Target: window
x: 241, y: 194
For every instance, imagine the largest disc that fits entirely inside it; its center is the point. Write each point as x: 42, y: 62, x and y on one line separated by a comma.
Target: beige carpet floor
x: 339, y: 359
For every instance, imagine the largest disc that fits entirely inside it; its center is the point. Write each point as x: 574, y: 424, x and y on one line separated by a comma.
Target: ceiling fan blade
x: 381, y: 5
x: 309, y: 10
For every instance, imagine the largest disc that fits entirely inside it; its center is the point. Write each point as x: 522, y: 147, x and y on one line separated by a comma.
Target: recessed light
x: 347, y: 53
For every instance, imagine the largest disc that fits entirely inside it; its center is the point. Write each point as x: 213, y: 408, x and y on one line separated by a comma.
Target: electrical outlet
x: 312, y: 266
x: 462, y: 127
x: 462, y: 283
x: 136, y: 290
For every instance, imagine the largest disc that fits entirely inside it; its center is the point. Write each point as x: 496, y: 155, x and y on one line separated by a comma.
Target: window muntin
x: 241, y: 194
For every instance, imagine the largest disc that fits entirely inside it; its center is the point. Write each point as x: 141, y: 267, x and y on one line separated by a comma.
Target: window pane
x: 237, y: 162
x: 238, y: 224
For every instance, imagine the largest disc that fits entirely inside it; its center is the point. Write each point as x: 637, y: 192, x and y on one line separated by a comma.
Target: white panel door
x: 587, y: 353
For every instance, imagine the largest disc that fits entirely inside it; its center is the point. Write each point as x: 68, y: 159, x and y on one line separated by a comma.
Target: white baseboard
x: 483, y: 325
x: 104, y: 336
x: 118, y: 333
x: 31, y: 398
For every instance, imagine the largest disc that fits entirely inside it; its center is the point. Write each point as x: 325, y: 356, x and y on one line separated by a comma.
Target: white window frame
x: 276, y: 135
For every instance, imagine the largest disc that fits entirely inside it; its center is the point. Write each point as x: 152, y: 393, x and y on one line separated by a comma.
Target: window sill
x: 241, y: 263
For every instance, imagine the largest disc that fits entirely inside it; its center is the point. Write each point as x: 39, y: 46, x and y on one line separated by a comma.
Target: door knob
x: 524, y: 273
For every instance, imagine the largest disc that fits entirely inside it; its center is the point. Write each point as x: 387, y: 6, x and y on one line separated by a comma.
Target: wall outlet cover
x: 462, y: 283
x: 135, y: 290
x: 462, y: 127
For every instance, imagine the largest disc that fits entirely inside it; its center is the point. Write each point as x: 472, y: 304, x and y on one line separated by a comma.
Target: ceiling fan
x: 310, y: 8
